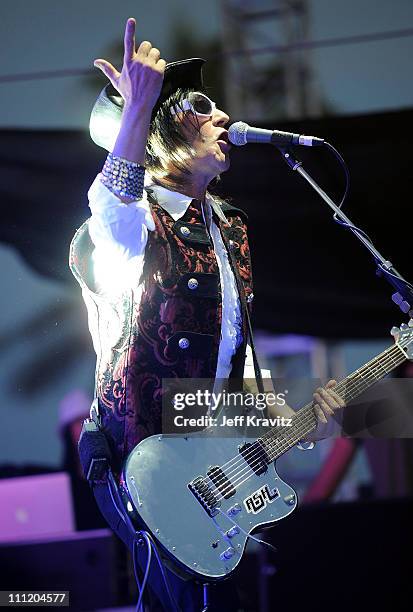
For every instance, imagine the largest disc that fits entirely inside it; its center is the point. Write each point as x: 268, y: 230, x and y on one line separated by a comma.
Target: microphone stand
x: 403, y: 296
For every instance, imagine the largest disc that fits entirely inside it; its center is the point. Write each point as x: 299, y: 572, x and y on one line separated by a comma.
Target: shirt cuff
x: 108, y: 207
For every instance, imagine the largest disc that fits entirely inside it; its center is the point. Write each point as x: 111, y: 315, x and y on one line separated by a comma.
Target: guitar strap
x: 257, y: 369
x: 239, y: 357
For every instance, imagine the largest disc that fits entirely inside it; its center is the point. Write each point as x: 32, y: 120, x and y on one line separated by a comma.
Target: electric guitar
x: 200, y: 495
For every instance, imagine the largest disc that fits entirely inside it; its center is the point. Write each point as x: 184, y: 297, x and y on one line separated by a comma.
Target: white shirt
x: 119, y: 233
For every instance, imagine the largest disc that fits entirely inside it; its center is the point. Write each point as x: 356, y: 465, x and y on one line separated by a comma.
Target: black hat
x: 106, y: 114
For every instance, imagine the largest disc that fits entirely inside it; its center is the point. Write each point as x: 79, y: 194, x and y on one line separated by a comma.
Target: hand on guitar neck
x: 328, y: 407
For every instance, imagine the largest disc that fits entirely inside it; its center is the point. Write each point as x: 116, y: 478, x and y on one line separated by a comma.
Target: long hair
x: 168, y: 151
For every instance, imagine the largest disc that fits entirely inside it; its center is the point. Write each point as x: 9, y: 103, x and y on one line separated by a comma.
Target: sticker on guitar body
x: 257, y: 501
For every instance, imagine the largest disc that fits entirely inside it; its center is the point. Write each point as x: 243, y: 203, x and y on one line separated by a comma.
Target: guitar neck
x: 277, y: 442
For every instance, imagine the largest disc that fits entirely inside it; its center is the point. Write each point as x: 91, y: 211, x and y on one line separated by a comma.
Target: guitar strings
x: 305, y: 417
x: 288, y: 442
x: 280, y: 443
x: 358, y: 385
x: 347, y: 381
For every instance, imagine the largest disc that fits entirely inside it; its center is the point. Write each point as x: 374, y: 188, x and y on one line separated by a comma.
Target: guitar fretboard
x: 278, y: 440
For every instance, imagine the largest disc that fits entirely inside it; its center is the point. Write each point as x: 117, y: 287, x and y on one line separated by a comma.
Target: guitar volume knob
x: 233, y: 531
x: 227, y: 554
x: 234, y: 510
x: 290, y: 499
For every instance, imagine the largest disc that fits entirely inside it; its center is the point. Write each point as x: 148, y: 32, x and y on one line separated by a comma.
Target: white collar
x: 176, y: 204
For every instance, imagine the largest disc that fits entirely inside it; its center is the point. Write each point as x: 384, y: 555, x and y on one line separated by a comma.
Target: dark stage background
x: 311, y: 276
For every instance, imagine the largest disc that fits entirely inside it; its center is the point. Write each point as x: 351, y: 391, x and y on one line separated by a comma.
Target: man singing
x: 164, y: 265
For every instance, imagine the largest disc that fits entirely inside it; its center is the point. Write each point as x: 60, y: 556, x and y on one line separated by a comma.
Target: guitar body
x: 157, y: 474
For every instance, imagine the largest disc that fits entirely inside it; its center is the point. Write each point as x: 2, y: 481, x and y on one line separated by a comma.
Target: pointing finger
x: 129, y: 40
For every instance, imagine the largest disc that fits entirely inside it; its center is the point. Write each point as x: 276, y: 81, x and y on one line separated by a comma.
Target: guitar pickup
x: 221, y: 482
x: 255, y: 455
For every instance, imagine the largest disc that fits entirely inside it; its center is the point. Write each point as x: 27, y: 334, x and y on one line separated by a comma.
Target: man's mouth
x: 223, y: 141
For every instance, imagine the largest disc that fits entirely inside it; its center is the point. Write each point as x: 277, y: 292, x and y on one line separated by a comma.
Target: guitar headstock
x: 403, y: 336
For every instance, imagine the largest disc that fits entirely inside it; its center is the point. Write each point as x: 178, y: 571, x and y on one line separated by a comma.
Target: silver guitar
x: 201, y: 495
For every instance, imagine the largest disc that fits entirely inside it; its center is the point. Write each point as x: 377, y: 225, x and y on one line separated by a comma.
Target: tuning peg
x: 404, y: 327
x: 395, y: 332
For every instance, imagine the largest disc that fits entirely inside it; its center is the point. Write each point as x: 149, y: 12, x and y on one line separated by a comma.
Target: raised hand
x: 141, y: 77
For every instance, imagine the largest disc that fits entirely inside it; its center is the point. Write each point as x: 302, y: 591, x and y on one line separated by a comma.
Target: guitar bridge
x: 204, y: 495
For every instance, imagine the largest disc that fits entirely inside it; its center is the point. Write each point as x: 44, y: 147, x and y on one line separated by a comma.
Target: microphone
x: 241, y: 133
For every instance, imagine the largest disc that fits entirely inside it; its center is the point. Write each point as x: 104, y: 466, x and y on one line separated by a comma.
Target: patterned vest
x: 172, y: 331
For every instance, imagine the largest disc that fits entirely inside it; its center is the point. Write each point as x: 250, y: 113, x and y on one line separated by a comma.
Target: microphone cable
x: 343, y: 164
